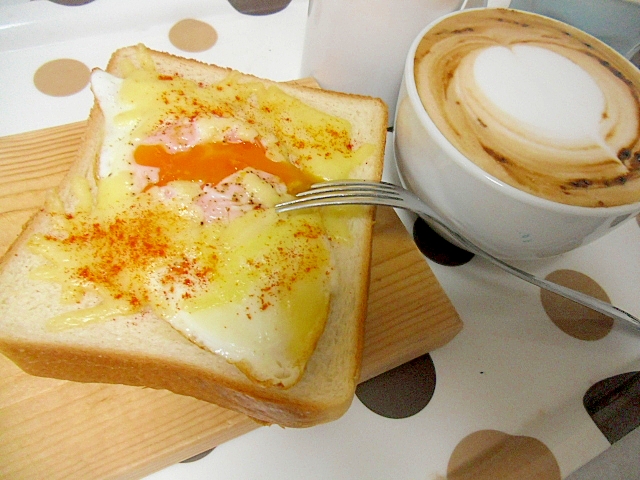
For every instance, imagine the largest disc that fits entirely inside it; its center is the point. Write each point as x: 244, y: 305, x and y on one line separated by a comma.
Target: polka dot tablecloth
x: 533, y: 387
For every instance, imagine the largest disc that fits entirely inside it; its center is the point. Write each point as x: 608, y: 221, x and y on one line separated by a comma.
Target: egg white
x: 258, y: 346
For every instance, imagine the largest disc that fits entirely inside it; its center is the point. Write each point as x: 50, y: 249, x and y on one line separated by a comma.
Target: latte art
x: 536, y: 104
x: 545, y: 92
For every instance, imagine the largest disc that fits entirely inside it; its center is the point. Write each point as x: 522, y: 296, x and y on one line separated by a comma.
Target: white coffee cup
x: 359, y: 46
x: 504, y: 220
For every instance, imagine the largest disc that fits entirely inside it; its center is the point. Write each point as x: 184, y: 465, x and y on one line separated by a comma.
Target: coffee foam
x: 541, y: 90
x: 536, y: 104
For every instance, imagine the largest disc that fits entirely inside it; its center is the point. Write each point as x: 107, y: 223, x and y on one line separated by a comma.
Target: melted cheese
x: 205, y: 251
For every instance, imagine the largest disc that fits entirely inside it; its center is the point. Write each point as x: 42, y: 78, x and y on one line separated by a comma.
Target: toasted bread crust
x: 171, y: 362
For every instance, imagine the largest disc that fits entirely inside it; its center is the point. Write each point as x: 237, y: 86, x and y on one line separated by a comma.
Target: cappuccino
x: 535, y: 103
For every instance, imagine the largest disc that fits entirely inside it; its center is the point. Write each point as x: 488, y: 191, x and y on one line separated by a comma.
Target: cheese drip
x: 180, y: 113
x: 254, y: 290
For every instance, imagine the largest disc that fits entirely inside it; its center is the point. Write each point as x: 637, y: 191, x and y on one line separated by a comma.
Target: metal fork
x: 346, y: 192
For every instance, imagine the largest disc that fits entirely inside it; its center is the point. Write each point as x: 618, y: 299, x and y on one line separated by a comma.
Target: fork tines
x: 349, y: 186
x: 342, y: 192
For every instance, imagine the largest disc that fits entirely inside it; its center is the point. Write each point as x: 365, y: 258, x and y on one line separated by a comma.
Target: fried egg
x: 183, y: 224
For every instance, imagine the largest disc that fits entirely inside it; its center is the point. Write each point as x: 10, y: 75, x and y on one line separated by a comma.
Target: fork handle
x: 574, y: 295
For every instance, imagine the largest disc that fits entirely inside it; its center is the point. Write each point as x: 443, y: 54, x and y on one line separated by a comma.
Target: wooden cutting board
x: 56, y: 429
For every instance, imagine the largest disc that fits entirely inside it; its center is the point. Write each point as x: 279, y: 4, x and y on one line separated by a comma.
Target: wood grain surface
x: 57, y: 429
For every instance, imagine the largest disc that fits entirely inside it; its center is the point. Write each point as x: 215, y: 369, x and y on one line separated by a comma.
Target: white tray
x: 511, y: 369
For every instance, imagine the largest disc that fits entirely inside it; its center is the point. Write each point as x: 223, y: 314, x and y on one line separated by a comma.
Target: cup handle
x: 473, y: 4
x: 498, y: 3
x: 484, y: 3
x: 633, y: 55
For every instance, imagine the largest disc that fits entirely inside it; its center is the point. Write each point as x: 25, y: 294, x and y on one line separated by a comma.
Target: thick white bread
x: 143, y: 350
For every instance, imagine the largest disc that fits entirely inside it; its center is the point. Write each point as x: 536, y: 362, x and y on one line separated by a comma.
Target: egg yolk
x: 213, y: 162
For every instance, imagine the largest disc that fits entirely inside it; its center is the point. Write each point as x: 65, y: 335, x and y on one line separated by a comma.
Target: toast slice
x: 143, y: 349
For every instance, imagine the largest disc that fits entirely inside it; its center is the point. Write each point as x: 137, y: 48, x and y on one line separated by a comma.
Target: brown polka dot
x: 197, y: 457
x: 61, y: 77
x: 436, y: 248
x: 402, y: 391
x: 71, y: 3
x: 576, y: 320
x: 618, y: 220
x: 259, y: 7
x: 193, y: 35
x: 614, y: 405
x: 490, y: 454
